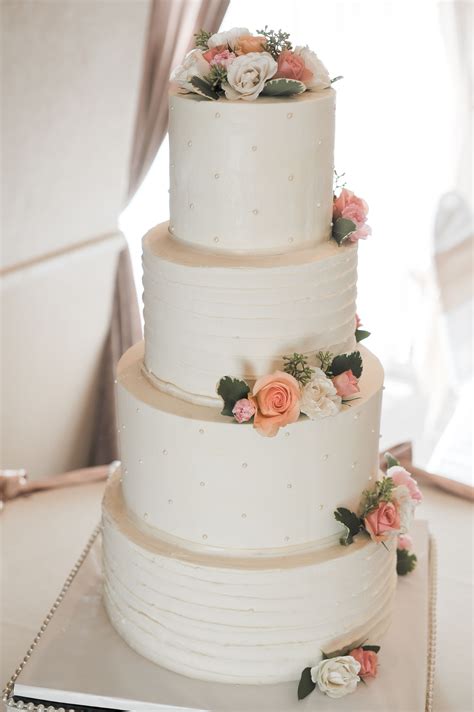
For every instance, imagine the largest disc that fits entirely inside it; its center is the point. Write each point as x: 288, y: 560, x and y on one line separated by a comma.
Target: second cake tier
x: 199, y: 479
x: 212, y: 315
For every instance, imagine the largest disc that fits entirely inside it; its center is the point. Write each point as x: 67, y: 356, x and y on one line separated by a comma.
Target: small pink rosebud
x: 243, y: 410
x: 346, y: 384
x: 404, y: 541
x: 358, y: 321
x: 368, y: 661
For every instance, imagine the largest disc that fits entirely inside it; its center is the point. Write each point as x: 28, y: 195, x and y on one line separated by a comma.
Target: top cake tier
x: 252, y: 176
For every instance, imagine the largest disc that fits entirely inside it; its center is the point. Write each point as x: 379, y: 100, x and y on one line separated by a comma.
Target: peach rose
x: 277, y: 399
x: 292, y: 66
x: 346, y: 384
x: 368, y: 661
x: 249, y: 43
x: 382, y: 521
x: 400, y: 476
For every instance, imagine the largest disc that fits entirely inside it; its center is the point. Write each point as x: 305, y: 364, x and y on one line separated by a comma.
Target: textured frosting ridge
x: 210, y: 315
x: 252, y: 176
x: 217, y: 619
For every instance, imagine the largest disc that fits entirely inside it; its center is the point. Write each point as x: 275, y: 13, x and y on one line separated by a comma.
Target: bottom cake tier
x: 240, y: 620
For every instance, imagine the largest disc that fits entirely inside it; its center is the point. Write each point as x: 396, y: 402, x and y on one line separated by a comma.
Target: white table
x: 43, y: 535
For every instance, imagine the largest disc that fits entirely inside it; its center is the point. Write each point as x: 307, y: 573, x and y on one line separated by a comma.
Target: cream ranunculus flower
x: 247, y: 74
x: 228, y: 37
x: 194, y: 65
x: 406, y: 507
x: 319, y: 397
x: 320, y: 79
x: 337, y: 677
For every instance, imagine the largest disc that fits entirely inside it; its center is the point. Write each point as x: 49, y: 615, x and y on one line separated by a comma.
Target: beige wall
x: 70, y: 79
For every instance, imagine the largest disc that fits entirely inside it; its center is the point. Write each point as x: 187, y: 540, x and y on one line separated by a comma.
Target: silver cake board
x: 80, y: 662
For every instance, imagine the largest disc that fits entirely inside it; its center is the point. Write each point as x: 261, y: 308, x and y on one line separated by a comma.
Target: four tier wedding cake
x: 249, y: 417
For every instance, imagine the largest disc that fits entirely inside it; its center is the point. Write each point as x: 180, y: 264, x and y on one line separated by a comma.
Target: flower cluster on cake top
x: 236, y: 64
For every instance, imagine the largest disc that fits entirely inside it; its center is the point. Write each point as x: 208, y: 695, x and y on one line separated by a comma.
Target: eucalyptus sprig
x: 382, y: 493
x: 277, y: 42
x: 202, y: 38
x: 217, y: 76
x: 339, y: 181
x: 325, y: 358
x: 297, y: 366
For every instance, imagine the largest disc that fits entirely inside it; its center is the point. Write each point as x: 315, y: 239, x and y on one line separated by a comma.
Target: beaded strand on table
x: 7, y: 692
x: 432, y: 623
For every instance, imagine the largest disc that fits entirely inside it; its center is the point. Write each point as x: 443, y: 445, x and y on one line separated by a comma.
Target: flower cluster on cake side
x: 385, y: 514
x: 236, y: 64
x: 278, y: 399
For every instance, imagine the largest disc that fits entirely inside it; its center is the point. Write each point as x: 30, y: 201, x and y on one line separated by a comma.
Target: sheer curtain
x: 395, y: 142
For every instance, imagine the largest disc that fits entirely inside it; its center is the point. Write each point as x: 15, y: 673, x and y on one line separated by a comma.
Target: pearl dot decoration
x: 357, y: 416
x: 291, y: 177
x: 165, y: 452
x: 204, y: 536
x: 216, y: 239
x: 145, y: 515
x: 123, y: 427
x: 115, y: 381
x: 191, y: 206
x: 140, y: 462
x: 287, y: 538
x: 320, y: 141
x: 244, y: 465
x: 318, y: 205
x: 190, y: 143
x: 217, y: 115
x: 202, y: 484
x: 243, y: 515
x: 255, y: 211
x: 321, y: 506
x: 216, y: 176
x: 289, y: 115
x: 325, y: 457
x: 170, y: 501
x: 201, y: 431
x: 289, y: 485
x: 354, y: 464
x: 254, y: 148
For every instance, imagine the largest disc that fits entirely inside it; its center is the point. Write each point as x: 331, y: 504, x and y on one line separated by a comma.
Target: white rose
x: 194, y: 65
x: 247, y: 74
x: 319, y: 397
x: 338, y: 676
x: 320, y: 79
x: 227, y: 38
x: 406, y: 507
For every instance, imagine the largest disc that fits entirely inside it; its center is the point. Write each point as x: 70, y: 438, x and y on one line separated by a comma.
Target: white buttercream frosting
x: 192, y: 473
x: 252, y: 175
x: 212, y: 315
x: 240, y: 621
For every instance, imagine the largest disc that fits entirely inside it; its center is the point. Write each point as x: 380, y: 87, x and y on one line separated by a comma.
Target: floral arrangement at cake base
x: 236, y: 64
x: 278, y: 399
x: 338, y: 674
x: 386, y: 513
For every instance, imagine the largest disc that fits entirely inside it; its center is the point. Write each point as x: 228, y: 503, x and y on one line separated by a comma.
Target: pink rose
x: 277, y: 400
x: 404, y: 541
x: 211, y: 53
x: 382, y: 521
x: 400, y: 476
x: 358, y: 321
x: 223, y: 58
x: 368, y: 661
x: 292, y: 66
x: 346, y: 384
x: 243, y: 410
x: 351, y: 207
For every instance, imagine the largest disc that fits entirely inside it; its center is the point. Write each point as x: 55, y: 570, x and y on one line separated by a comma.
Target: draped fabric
x: 172, y: 25
x: 124, y: 331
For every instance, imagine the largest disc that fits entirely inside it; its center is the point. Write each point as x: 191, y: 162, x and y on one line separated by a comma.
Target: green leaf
x: 306, y: 685
x: 361, y: 334
x: 341, y: 228
x: 204, y: 89
x: 283, y: 87
x: 406, y: 562
x: 374, y: 648
x: 231, y: 390
x: 391, y: 460
x: 346, y: 362
x: 351, y: 522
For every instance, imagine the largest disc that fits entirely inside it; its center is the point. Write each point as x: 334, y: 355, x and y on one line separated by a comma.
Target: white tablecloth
x: 44, y: 534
